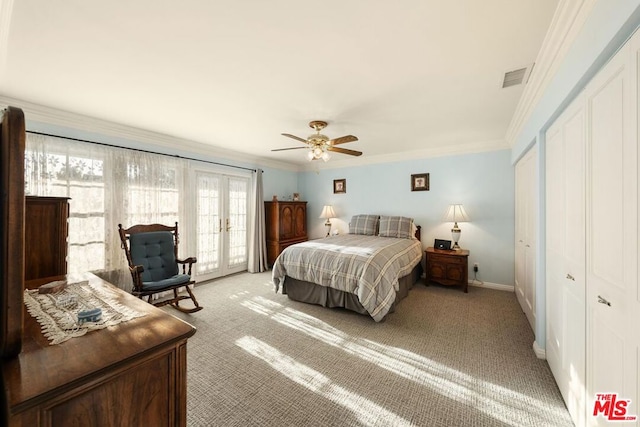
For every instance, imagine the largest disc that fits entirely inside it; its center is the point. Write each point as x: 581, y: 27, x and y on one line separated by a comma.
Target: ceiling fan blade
x: 290, y: 148
x: 345, y: 151
x: 343, y: 140
x: 295, y: 137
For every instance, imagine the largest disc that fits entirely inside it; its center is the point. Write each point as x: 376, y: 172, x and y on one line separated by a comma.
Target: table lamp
x: 327, y: 213
x: 456, y: 213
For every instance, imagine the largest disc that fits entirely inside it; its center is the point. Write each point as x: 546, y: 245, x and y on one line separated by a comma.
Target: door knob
x: 570, y: 277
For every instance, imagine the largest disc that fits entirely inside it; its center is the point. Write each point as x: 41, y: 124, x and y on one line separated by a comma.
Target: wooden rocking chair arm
x: 136, y: 269
x: 189, y: 261
x: 136, y: 276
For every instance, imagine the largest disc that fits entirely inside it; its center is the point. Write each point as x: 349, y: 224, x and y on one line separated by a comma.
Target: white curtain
x: 107, y: 186
x: 257, y: 235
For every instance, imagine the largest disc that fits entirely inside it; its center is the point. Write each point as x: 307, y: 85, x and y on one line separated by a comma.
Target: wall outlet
x: 475, y: 267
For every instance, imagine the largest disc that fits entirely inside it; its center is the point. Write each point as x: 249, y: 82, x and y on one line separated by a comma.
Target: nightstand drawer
x: 447, y: 259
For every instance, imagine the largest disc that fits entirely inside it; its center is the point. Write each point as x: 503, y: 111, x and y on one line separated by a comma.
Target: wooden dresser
x: 286, y: 225
x: 45, y: 241
x: 131, y: 374
x: 449, y: 268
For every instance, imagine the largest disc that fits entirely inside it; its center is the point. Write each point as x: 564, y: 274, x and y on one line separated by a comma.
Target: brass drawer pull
x: 603, y: 301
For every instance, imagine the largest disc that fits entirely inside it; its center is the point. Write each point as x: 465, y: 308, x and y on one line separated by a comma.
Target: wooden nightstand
x: 448, y: 267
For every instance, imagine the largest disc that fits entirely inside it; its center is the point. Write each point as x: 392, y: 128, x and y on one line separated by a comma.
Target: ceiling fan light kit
x: 320, y: 145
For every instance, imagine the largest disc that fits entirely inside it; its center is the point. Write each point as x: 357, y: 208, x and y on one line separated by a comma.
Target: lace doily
x: 57, y: 313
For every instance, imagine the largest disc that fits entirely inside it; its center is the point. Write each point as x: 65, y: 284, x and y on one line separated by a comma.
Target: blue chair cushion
x: 154, y: 251
x: 178, y: 279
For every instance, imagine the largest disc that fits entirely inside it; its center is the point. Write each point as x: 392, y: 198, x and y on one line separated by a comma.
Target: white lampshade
x: 456, y: 213
x: 328, y: 212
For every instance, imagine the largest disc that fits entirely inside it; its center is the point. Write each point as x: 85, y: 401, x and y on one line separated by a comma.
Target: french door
x: 221, y: 210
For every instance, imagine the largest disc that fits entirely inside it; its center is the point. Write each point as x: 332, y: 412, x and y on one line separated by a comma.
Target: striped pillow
x: 364, y: 224
x: 395, y: 226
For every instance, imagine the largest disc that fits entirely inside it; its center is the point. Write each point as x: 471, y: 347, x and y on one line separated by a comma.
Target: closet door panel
x: 612, y: 244
x: 574, y: 273
x: 555, y: 190
x: 554, y: 246
x: 607, y: 181
x: 574, y: 193
x: 565, y: 276
x: 525, y: 234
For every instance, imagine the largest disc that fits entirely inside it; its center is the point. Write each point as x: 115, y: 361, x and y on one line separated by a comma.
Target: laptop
x: 445, y: 245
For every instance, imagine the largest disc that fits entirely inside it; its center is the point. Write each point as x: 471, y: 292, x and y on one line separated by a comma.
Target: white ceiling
x: 415, y: 75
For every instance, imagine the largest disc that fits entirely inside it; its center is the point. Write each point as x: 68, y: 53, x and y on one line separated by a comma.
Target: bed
x: 367, y: 271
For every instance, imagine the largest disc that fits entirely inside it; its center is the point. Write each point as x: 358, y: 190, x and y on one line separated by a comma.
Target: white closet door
x: 565, y: 284
x: 525, y: 235
x: 612, y: 241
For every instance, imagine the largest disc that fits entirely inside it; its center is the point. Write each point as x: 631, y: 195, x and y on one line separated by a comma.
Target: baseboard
x: 541, y: 353
x: 496, y: 286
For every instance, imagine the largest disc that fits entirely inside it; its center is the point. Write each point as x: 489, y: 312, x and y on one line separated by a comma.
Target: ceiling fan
x: 319, y: 145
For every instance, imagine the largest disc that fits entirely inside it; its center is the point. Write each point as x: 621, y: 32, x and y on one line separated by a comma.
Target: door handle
x: 603, y: 301
x: 228, y: 226
x: 570, y: 277
x: 220, y: 225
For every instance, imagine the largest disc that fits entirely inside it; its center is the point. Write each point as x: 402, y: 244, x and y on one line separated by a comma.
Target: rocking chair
x: 152, y: 254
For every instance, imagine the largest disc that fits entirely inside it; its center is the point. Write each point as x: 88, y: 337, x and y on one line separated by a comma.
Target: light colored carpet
x: 444, y: 358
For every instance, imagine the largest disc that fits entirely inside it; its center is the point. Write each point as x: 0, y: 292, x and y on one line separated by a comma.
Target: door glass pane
x: 238, y: 200
x: 208, y: 223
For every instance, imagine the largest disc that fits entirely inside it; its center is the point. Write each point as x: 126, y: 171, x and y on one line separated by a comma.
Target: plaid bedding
x: 367, y: 266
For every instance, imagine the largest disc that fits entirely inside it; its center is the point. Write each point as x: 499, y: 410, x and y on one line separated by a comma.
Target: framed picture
x: 420, y: 182
x: 339, y: 186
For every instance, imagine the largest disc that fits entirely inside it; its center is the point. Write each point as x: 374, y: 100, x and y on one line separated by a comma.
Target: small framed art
x: 420, y: 182
x: 339, y: 186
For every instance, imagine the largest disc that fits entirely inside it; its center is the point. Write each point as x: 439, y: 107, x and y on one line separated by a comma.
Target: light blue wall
x: 483, y: 183
x: 281, y: 183
x: 610, y: 23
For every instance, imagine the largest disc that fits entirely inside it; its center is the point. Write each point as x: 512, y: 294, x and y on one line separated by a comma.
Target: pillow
x: 395, y: 226
x: 364, y: 224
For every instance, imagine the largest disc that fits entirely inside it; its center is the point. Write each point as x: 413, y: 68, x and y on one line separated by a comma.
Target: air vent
x: 516, y: 77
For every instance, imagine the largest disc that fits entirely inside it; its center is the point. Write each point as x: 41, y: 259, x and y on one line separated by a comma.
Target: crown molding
x: 568, y: 19
x: 37, y: 114
x: 453, y: 150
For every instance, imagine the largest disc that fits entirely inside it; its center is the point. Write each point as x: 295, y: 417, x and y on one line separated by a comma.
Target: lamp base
x: 328, y: 225
x: 455, y: 236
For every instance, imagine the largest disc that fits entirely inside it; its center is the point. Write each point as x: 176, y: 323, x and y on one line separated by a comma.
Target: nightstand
x: 450, y: 268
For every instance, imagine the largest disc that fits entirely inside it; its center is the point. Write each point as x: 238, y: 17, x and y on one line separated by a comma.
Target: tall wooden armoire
x: 286, y: 225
